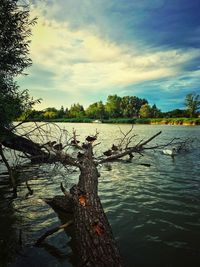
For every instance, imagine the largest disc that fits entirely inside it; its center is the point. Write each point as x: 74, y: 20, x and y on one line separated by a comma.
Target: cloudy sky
x: 85, y: 50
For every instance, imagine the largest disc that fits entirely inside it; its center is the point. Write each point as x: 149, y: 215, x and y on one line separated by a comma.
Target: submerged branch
x: 52, y: 231
x: 10, y: 171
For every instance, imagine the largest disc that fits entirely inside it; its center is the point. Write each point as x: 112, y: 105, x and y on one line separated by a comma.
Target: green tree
x: 136, y: 104
x: 96, y: 111
x: 35, y: 115
x: 126, y: 108
x: 50, y: 115
x: 113, y: 106
x: 61, y: 112
x: 155, y: 112
x: 66, y: 113
x: 51, y: 109
x: 192, y: 103
x: 15, y: 31
x: 176, y: 113
x: 76, y: 111
x: 130, y: 106
x: 145, y: 111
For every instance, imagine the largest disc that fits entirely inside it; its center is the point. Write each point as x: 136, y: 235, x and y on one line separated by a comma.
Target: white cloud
x: 80, y: 60
x: 185, y: 81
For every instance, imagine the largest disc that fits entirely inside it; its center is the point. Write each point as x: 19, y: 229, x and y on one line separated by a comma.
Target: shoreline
x: 158, y: 121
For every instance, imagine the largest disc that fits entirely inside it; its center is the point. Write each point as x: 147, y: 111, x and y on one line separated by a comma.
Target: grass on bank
x: 167, y: 121
x: 176, y: 121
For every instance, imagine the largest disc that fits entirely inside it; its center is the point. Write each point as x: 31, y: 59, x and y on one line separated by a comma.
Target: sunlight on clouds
x: 100, y: 50
x: 82, y: 61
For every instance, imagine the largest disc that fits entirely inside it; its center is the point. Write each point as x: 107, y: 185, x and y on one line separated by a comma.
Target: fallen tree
x: 95, y: 242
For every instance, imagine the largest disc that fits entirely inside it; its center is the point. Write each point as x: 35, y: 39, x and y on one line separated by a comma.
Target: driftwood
x: 52, y: 231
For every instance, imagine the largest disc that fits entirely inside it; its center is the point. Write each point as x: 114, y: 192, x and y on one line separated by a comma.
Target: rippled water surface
x: 154, y: 211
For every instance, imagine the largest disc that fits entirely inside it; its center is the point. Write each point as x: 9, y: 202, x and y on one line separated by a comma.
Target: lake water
x: 154, y: 211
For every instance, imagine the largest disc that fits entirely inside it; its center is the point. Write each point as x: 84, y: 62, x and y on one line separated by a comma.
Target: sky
x: 85, y: 50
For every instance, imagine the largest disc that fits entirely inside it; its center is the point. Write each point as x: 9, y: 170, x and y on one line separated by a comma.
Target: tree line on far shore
x: 116, y: 107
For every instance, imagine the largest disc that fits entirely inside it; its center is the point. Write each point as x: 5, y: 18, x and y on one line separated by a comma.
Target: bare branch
x: 10, y: 171
x: 125, y: 137
x: 30, y: 191
x: 67, y: 194
x: 151, y: 138
x: 52, y: 231
x: 74, y: 142
x: 136, y: 149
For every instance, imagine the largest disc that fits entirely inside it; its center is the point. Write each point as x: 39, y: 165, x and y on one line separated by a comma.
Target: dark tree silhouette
x: 15, y: 31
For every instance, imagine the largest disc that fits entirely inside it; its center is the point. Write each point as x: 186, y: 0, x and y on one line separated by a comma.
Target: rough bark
x: 95, y: 243
x: 94, y: 237
x: 60, y: 203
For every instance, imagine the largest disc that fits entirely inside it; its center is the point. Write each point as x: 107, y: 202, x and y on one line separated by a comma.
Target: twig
x: 151, y: 138
x: 125, y: 135
x: 135, y: 149
x: 10, y: 171
x: 30, y: 191
x: 67, y: 194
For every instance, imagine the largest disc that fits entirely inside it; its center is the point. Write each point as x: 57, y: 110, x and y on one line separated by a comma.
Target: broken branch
x: 52, y: 231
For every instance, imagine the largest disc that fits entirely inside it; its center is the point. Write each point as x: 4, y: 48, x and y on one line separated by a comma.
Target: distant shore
x: 150, y: 121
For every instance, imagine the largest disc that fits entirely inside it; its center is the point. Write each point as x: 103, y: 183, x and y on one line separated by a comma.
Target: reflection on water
x: 154, y: 211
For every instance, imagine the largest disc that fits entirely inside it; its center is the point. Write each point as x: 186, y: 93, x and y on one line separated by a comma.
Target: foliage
x: 192, y: 103
x: 12, y: 101
x: 76, y: 111
x: 155, y: 112
x: 175, y: 113
x: 96, y: 111
x: 130, y: 106
x: 112, y: 106
x: 127, y: 106
x: 61, y: 113
x: 15, y: 32
x: 50, y: 115
x: 145, y: 111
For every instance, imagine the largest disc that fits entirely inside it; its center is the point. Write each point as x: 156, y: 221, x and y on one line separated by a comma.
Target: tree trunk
x: 19, y: 143
x: 93, y: 234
